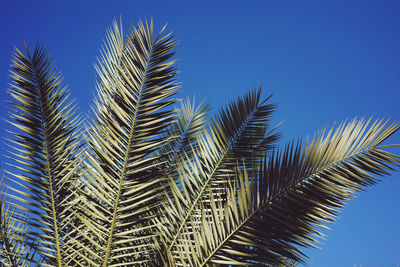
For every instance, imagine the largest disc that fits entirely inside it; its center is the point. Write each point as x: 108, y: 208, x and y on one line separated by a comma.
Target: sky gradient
x: 324, y: 61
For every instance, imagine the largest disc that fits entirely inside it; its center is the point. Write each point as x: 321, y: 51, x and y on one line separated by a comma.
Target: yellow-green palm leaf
x: 264, y: 218
x: 132, y: 112
x: 45, y: 152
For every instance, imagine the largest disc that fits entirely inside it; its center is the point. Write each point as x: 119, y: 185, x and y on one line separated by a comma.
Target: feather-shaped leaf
x: 45, y: 149
x: 136, y: 82
x: 239, y: 132
x: 266, y: 221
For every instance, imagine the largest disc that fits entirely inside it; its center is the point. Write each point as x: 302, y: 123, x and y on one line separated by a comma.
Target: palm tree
x: 140, y: 182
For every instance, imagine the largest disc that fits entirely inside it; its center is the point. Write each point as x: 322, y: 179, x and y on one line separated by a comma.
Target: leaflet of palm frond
x: 15, y: 249
x: 44, y: 151
x: 267, y: 220
x: 124, y: 182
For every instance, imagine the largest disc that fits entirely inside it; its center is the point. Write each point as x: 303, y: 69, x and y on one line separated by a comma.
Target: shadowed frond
x: 188, y: 127
x: 203, y: 239
x: 136, y: 82
x: 240, y: 132
x: 267, y: 220
x: 45, y: 151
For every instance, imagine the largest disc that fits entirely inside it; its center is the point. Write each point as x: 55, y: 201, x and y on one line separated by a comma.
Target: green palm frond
x: 136, y: 82
x: 186, y: 131
x: 46, y: 149
x: 239, y: 132
x: 189, y: 125
x: 267, y: 220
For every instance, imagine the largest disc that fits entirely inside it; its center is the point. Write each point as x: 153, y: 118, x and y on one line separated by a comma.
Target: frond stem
x: 53, y: 204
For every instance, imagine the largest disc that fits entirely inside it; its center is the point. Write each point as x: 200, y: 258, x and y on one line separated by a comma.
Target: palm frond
x: 136, y: 82
x: 239, y: 132
x: 267, y: 220
x: 189, y: 125
x: 45, y: 149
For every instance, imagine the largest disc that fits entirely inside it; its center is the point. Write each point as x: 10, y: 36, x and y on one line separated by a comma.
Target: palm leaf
x: 239, y: 132
x: 189, y: 125
x: 266, y: 221
x: 45, y: 149
x: 136, y: 81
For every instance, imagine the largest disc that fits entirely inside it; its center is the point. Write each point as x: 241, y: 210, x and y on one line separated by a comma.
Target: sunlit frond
x: 188, y: 127
x: 240, y: 132
x: 267, y: 220
x: 136, y: 82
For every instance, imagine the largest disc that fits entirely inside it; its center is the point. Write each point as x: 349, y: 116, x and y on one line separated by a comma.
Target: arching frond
x: 239, y: 132
x: 136, y: 82
x: 188, y: 127
x: 45, y: 151
x: 266, y: 220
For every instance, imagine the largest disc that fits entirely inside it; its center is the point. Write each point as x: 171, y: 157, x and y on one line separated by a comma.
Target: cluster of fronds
x: 144, y: 183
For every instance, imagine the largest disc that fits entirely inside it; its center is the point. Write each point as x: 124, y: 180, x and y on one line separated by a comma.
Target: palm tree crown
x: 143, y: 182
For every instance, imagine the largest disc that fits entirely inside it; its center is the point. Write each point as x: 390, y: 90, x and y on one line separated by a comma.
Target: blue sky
x: 325, y: 62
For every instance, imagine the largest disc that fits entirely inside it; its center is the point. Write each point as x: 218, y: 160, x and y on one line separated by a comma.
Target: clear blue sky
x: 325, y: 61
